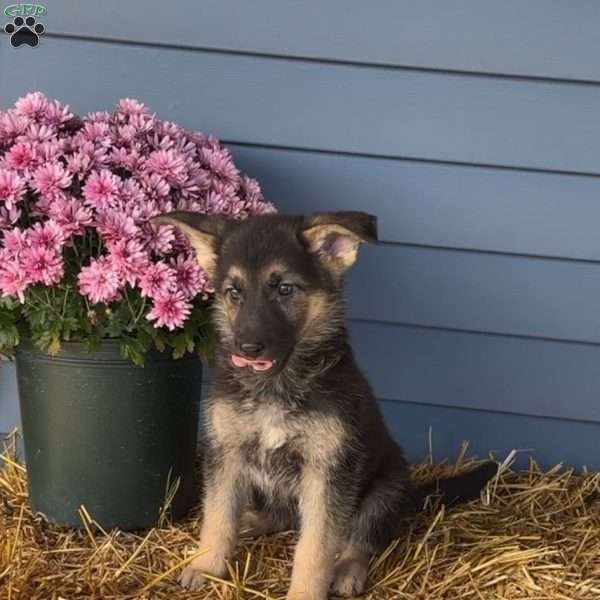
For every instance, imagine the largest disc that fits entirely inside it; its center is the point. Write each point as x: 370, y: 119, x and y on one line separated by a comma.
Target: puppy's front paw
x: 193, y: 577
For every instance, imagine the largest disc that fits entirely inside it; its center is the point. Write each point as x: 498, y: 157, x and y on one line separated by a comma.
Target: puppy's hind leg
x: 376, y: 522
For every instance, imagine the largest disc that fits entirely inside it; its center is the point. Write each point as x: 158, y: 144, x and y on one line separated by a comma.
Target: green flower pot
x: 101, y: 432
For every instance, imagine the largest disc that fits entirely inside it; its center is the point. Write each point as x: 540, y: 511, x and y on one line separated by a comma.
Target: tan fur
x: 277, y: 267
x: 273, y: 430
x: 318, y: 543
x: 203, y: 243
x: 223, y: 424
x: 316, y: 236
x: 314, y: 558
x: 236, y: 272
x: 316, y: 310
x: 222, y: 505
x: 226, y: 308
x: 320, y: 441
x: 220, y: 526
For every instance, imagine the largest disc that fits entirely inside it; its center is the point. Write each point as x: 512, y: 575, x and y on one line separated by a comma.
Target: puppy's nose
x: 252, y: 349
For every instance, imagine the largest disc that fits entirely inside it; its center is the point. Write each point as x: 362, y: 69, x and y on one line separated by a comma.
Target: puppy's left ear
x: 203, y: 231
x: 335, y: 237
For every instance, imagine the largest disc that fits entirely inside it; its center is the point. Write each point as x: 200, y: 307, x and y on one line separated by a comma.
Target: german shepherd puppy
x: 292, y: 427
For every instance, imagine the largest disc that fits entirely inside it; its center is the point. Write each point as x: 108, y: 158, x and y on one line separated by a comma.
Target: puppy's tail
x: 458, y: 489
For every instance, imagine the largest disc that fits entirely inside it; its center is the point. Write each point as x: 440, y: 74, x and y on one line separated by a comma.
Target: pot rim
x: 108, y: 352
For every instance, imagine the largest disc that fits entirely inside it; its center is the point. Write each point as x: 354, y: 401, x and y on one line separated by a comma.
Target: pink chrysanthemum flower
x: 57, y: 113
x: 155, y: 186
x: 129, y: 259
x: 159, y: 239
x: 51, y: 180
x: 87, y: 187
x: 101, y: 115
x: 13, y: 278
x: 38, y: 133
x: 21, y: 157
x: 167, y: 164
x: 114, y: 225
x: 79, y: 163
x: 71, y: 215
x: 127, y: 133
x: 131, y: 195
x: 101, y: 189
x: 96, y: 131
x: 189, y: 277
x: 251, y: 189
x: 43, y: 265
x: 99, y: 281
x: 219, y: 162
x: 142, y: 123
x: 50, y: 235
x: 129, y: 106
x: 12, y: 125
x: 15, y: 241
x: 158, y: 279
x: 128, y: 158
x: 97, y: 155
x: 12, y: 188
x: 50, y: 151
x: 33, y: 105
x: 170, y: 310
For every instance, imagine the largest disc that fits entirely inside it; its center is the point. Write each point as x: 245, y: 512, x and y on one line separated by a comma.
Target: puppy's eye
x: 234, y: 294
x: 285, y: 289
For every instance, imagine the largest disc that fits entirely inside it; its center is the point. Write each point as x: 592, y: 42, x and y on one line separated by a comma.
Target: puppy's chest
x: 273, y: 442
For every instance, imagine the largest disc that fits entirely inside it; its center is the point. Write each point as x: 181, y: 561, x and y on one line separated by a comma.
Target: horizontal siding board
x: 482, y: 372
x: 439, y: 205
x: 549, y: 441
x: 432, y: 116
x: 473, y: 35
x: 481, y: 292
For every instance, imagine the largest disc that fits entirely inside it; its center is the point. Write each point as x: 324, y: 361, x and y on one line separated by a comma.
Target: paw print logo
x: 24, y: 31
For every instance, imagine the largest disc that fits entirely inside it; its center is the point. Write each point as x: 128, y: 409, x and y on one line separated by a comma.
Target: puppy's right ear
x: 203, y: 232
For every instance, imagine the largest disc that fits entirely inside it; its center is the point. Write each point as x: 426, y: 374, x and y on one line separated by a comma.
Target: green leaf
x: 133, y: 349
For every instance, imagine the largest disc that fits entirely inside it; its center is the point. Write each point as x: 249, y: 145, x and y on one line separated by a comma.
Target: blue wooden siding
x: 540, y: 38
x: 471, y: 128
x: 339, y: 108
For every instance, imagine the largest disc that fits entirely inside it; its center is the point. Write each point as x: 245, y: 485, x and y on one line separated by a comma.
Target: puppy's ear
x: 203, y: 231
x: 335, y: 237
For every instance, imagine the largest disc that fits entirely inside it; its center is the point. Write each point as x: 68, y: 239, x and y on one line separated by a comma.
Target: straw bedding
x: 533, y: 535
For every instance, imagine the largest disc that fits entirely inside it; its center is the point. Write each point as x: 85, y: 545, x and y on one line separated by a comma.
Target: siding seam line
x: 329, y: 61
x: 396, y: 157
x: 487, y: 410
x: 489, y: 333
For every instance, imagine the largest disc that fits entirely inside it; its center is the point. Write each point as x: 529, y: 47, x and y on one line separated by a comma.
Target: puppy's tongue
x: 257, y: 365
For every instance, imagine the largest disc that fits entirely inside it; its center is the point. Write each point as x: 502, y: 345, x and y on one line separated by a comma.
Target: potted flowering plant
x: 90, y: 291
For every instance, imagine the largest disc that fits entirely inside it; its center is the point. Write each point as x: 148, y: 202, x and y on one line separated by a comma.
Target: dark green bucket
x: 103, y: 433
